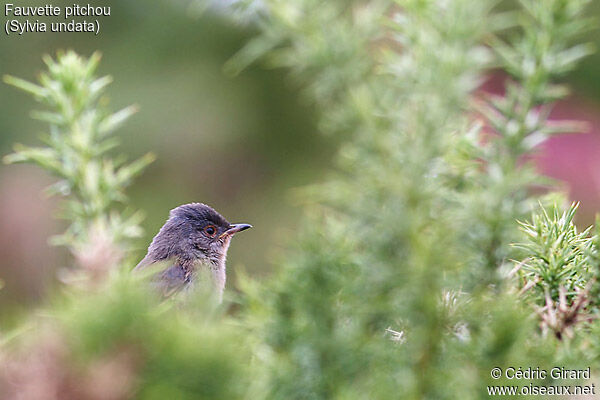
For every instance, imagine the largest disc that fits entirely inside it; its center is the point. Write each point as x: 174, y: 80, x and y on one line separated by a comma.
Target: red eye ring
x: 210, y: 231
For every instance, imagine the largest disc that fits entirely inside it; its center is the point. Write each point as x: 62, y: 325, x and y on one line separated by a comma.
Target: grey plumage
x: 194, y: 237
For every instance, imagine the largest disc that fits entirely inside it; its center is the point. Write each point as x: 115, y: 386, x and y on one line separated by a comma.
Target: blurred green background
x: 239, y: 144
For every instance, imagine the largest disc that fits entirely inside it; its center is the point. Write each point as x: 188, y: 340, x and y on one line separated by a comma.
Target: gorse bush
x: 560, y: 274
x: 389, y: 293
x: 80, y: 134
x: 120, y: 342
x: 534, y: 54
x: 399, y: 284
x: 557, y: 253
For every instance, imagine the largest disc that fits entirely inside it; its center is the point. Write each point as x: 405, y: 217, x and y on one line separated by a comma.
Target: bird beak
x: 235, y: 228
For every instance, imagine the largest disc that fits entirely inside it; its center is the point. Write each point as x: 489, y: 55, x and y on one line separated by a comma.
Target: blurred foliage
x: 389, y: 292
x: 119, y: 342
x: 396, y: 286
x: 535, y: 52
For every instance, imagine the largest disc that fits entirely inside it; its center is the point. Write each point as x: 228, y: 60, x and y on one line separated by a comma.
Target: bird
x: 195, y: 238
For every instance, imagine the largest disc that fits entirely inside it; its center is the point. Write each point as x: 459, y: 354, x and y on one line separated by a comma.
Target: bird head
x: 195, y: 232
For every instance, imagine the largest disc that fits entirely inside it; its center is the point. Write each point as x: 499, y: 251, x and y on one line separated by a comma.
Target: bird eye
x: 210, y: 230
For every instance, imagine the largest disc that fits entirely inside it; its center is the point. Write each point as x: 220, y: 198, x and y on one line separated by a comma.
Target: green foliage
x: 183, y: 352
x: 329, y: 50
x: 388, y: 294
x: 123, y: 342
x: 392, y: 290
x: 558, y: 254
x: 560, y: 273
x: 535, y: 53
x: 80, y: 135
